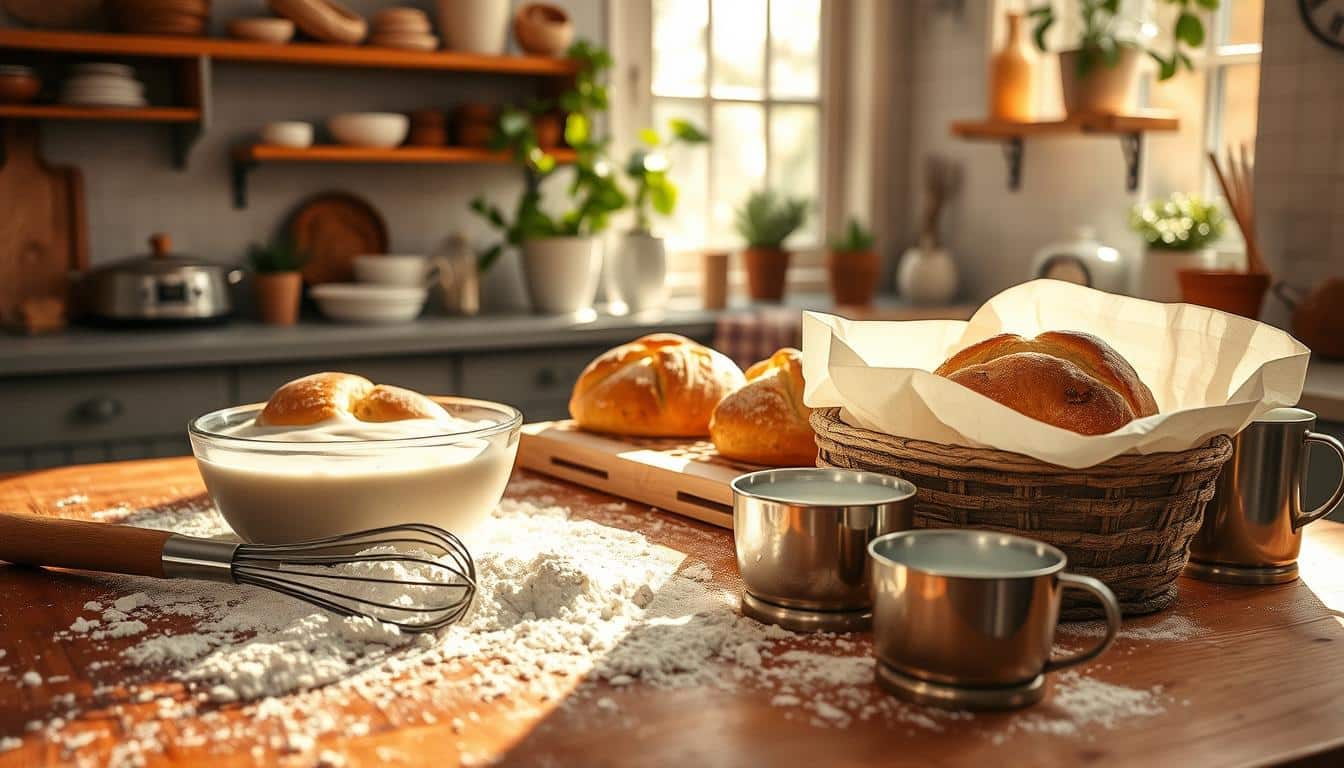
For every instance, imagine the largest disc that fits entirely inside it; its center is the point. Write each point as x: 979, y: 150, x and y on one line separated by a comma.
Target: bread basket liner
x: 1211, y: 373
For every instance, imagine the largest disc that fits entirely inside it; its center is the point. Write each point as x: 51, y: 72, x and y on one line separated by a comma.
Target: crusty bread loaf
x: 323, y: 396
x: 662, y: 385
x: 765, y: 421
x: 1069, y: 379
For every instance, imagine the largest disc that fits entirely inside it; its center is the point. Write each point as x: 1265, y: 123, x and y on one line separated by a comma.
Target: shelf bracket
x: 1131, y: 144
x: 184, y: 138
x: 240, y: 169
x: 1013, y: 150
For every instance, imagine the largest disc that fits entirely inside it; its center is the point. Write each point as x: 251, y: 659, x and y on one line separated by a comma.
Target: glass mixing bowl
x: 281, y: 491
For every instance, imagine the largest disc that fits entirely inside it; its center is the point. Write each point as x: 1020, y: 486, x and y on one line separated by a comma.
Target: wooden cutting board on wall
x: 43, y: 235
x: 678, y: 475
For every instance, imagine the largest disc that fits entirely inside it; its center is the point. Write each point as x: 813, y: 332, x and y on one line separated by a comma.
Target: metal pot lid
x: 160, y: 260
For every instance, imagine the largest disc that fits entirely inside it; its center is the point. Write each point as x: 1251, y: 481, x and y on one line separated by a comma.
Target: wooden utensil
x: 1238, y: 184
x: 43, y: 238
x: 333, y: 228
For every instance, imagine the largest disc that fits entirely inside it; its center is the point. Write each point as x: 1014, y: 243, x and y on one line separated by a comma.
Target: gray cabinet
x: 536, y: 382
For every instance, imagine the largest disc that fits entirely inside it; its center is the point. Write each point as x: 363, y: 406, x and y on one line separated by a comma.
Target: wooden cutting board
x: 43, y: 237
x: 333, y: 228
x: 687, y: 477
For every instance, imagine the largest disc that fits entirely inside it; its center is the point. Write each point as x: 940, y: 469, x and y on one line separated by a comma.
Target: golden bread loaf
x: 323, y: 396
x: 765, y: 421
x: 662, y: 385
x: 1069, y: 379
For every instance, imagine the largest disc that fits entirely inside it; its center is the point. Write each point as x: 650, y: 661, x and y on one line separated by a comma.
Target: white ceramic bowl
x: 369, y: 129
x: 364, y: 303
x: 278, y: 491
x: 409, y: 270
x: 288, y: 133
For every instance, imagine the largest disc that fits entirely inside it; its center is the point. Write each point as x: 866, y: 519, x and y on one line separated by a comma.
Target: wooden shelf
x: 313, y: 54
x: 1129, y: 128
x: 246, y: 158
x: 123, y: 114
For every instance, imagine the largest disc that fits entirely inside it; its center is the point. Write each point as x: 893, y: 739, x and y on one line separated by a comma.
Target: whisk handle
x: 28, y: 539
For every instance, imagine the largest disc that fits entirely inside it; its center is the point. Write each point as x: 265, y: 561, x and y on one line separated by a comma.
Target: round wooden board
x: 333, y: 228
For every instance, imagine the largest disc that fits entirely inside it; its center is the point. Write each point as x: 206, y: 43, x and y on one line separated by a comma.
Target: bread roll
x: 324, y: 396
x: 1071, y: 380
x: 662, y: 385
x: 765, y: 422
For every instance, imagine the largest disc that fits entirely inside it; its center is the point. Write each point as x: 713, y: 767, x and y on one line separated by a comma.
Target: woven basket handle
x: 1107, y: 599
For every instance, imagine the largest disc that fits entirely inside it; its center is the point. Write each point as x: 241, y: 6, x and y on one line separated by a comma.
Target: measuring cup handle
x: 1108, y: 602
x: 1338, y: 495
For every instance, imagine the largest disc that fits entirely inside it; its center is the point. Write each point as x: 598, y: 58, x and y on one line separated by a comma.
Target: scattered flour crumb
x: 32, y: 679
x: 83, y: 625
x: 71, y: 500
x: 131, y: 602
x: 9, y: 743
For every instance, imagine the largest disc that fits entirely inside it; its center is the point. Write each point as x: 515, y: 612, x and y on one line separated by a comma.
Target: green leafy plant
x: 1180, y: 222
x: 648, y: 169
x: 1100, y: 46
x: 854, y: 239
x: 767, y: 218
x: 282, y: 255
x: 593, y: 193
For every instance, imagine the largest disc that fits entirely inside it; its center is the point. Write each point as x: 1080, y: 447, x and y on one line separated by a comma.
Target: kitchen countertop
x: 1247, y: 676
x: 242, y: 341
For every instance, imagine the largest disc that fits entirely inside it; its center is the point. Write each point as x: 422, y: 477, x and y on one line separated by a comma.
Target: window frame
x: 1215, y: 59
x: 630, y: 25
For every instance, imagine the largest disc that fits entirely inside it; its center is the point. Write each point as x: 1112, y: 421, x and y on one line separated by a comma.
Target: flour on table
x: 566, y: 611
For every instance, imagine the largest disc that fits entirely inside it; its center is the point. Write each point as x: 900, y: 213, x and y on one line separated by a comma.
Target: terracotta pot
x: 474, y: 124
x: 714, y: 279
x: 766, y: 270
x: 543, y: 29
x: 1103, y: 90
x: 278, y: 296
x: 1318, y: 318
x: 854, y: 276
x: 1240, y: 293
x: 550, y: 129
x: 18, y: 85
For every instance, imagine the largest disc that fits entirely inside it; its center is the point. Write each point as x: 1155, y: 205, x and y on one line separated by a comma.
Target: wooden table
x: 1262, y: 683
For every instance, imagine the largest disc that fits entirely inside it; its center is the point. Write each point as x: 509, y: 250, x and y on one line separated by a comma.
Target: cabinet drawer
x: 521, y: 378
x: 81, y: 409
x: 435, y: 375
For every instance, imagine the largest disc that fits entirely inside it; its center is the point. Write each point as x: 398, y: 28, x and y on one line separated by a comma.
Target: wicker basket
x: 1127, y: 521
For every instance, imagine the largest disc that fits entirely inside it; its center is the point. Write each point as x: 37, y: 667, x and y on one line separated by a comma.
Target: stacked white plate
x: 100, y: 84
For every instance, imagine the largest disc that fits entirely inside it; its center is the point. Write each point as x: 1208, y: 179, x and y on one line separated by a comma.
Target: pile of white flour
x: 565, y: 607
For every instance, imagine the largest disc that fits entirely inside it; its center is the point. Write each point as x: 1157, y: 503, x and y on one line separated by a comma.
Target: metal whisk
x: 347, y: 574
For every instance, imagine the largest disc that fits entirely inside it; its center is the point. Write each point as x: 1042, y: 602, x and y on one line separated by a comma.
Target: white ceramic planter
x: 638, y: 271
x: 1155, y: 274
x: 478, y: 26
x: 562, y: 273
x: 1104, y: 90
x: 927, y: 276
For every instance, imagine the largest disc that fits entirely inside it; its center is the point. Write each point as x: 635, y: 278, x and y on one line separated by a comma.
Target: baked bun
x: 662, y: 385
x: 324, y: 396
x: 765, y: 422
x: 1071, y: 380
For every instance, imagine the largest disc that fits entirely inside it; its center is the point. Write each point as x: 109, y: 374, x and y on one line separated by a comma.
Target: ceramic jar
x: 927, y: 275
x: 639, y: 271
x: 477, y: 26
x: 543, y: 29
x: 1085, y: 261
x: 1012, y: 83
x: 18, y: 84
x: 562, y: 273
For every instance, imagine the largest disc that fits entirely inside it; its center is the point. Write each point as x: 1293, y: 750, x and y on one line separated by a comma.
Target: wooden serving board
x: 678, y: 475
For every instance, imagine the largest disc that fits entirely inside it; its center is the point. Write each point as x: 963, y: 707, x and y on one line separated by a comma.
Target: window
x: 1233, y: 66
x: 748, y: 71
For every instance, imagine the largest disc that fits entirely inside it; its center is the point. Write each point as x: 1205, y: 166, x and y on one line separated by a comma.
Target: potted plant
x: 639, y: 271
x: 561, y: 253
x: 278, y: 280
x: 853, y: 266
x: 1177, y: 233
x: 765, y: 221
x: 1100, y: 75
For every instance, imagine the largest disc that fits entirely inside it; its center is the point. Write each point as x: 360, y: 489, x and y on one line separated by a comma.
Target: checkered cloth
x: 749, y: 336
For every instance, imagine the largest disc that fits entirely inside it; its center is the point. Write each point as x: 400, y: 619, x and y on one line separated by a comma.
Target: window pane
x: 688, y: 227
x: 739, y: 49
x: 795, y: 37
x: 738, y: 150
x: 795, y: 147
x: 679, y: 47
x: 1244, y: 20
x: 1240, y: 93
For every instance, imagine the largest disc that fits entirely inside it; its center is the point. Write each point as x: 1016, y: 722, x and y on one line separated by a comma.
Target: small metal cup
x: 1252, y: 528
x: 804, y: 564
x: 966, y: 618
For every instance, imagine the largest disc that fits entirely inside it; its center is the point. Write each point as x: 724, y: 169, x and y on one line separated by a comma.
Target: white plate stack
x: 100, y: 84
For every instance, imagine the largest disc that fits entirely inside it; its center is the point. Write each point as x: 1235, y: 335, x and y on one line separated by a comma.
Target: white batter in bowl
x: 278, y: 485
